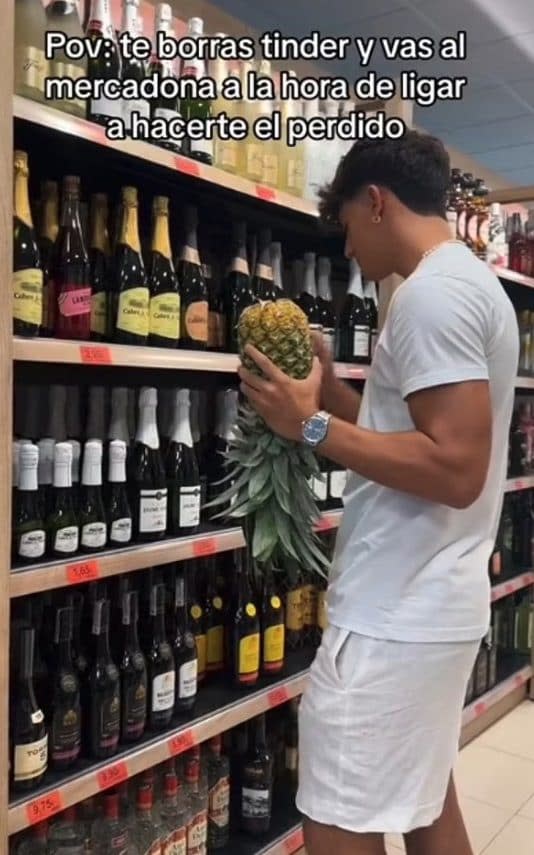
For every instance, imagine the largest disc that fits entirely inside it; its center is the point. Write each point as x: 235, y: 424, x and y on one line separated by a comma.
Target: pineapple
x: 269, y: 477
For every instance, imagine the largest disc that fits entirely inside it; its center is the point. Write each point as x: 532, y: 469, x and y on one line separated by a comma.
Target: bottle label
x: 65, y: 735
x: 135, y: 712
x: 119, y: 844
x: 264, y: 271
x: 32, y: 544
x: 133, y: 312
x: 30, y: 760
x: 254, y: 162
x: 196, y: 321
x: 227, y: 154
x: 163, y: 691
x: 202, y: 654
x: 215, y: 329
x: 31, y: 69
x: 240, y: 265
x: 109, y: 719
x: 67, y: 539
x: 203, y: 146
x: 215, y: 648
x: 175, y: 843
x: 121, y: 530
x: 189, y: 506
x: 28, y: 295
x: 273, y: 645
x: 190, y: 254
x: 99, y: 313
x: 249, y: 657
x: 319, y: 488
x: 360, y: 342
x: 292, y: 759
x: 452, y: 219
x: 322, y: 610
x: 255, y: 803
x: 187, y: 680
x: 138, y: 105
x: 73, y: 302
x: 219, y: 803
x: 294, y: 610
x: 94, y: 535
x: 169, y: 116
x: 338, y: 482
x: 106, y: 107
x: 152, y: 511
x: 165, y: 316
x: 197, y: 833
x: 309, y: 605
x: 270, y: 169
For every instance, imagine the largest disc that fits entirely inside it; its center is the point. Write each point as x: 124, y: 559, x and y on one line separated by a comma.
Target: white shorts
x: 379, y: 729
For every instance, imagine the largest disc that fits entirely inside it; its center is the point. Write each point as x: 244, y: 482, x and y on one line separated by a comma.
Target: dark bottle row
x: 514, y: 548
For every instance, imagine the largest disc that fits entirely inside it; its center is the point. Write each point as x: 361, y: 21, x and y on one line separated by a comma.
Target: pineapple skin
x: 281, y: 332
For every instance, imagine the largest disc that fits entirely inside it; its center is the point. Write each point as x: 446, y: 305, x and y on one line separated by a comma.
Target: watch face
x: 315, y: 430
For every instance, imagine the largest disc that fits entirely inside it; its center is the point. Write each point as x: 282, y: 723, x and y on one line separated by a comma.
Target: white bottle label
x: 360, y: 345
x: 94, y: 535
x: 320, y: 488
x: 152, y: 510
x: 32, y: 544
x: 163, y: 691
x: 106, y: 107
x: 187, y: 686
x: 30, y: 760
x: 121, y: 530
x: 138, y: 106
x: 175, y: 843
x: 169, y: 115
x: 189, y: 506
x: 67, y: 539
x: 338, y: 482
x: 202, y: 147
x: 255, y: 803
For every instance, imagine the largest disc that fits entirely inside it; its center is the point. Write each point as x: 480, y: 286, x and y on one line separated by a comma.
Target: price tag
x: 520, y: 485
x: 83, y: 571
x: 480, y: 709
x: 188, y: 166
x: 95, y: 355
x: 355, y: 373
x: 42, y: 808
x: 519, y: 680
x: 294, y: 842
x: 112, y: 775
x: 181, y: 742
x: 278, y: 696
x: 206, y: 546
x: 265, y: 193
x: 324, y: 523
x: 509, y: 588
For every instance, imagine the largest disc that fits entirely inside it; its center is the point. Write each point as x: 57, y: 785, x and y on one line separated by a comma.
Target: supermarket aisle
x: 495, y: 777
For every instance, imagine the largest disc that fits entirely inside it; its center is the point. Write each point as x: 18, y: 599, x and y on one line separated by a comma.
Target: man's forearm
x: 340, y: 399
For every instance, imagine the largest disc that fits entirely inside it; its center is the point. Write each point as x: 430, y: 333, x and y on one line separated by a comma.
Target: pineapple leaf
x: 265, y: 536
x: 281, y: 495
x: 258, y: 479
x: 283, y: 526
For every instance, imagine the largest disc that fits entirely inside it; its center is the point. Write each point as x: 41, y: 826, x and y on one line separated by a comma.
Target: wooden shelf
x: 86, y: 568
x: 526, y: 482
x: 511, y: 276
x: 511, y: 586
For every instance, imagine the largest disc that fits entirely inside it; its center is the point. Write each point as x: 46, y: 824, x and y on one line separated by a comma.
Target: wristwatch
x: 315, y: 429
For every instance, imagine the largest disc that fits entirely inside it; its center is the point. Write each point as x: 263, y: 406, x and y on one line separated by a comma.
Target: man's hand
x: 283, y: 403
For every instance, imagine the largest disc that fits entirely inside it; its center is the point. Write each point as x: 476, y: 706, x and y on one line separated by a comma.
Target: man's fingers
x: 263, y: 362
x: 251, y: 394
x: 251, y: 379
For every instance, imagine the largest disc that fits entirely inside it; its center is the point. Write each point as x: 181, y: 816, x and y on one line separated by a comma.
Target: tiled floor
x: 495, y: 779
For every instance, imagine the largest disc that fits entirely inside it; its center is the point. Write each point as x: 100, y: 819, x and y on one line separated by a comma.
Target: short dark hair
x: 416, y: 168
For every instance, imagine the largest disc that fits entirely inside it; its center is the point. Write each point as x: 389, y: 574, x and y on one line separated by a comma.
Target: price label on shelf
x: 188, y: 166
x: 44, y: 807
x: 181, y: 742
x: 206, y: 546
x: 294, y: 842
x: 325, y: 523
x: 509, y: 588
x: 519, y: 679
x: 95, y: 354
x: 480, y: 709
x: 83, y: 571
x: 278, y: 696
x: 265, y: 193
x: 111, y: 776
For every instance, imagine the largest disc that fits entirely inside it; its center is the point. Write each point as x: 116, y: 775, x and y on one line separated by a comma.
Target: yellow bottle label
x: 31, y: 69
x: 196, y: 612
x: 133, y: 313
x: 309, y: 605
x: 99, y: 305
x: 202, y: 654
x: 28, y: 296
x: 273, y: 644
x: 165, y: 316
x: 215, y: 648
x: 254, y: 162
x: 276, y: 602
x: 249, y: 657
x: 294, y: 610
x: 250, y: 609
x: 322, y: 611
x: 195, y: 321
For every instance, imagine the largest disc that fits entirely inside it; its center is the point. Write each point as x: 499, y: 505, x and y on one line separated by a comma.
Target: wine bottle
x: 72, y: 279
x: 134, y: 677
x: 198, y: 627
x: 107, y: 66
x: 104, y: 684
x: 216, y: 316
x: 148, y: 482
x: 164, y: 108
x: 99, y: 260
x: 31, y: 66
x: 118, y: 422
x: 62, y: 16
x: 111, y: 833
x: 307, y: 299
x: 95, y: 427
x: 246, y: 629
x: 371, y: 300
x: 184, y: 648
x: 353, y: 331
x: 75, y: 473
x: 214, y: 616
x: 263, y: 286
x: 238, y: 294
x: 119, y: 513
x: 181, y: 467
x: 291, y: 752
x: 218, y: 795
x: 272, y: 628
x: 29, y: 536
x: 45, y: 475
x: 194, y: 296
x: 226, y: 415
x: 160, y: 664
x: 309, y: 605
x: 28, y: 734
x: 27, y: 267
x: 66, y: 716
x: 56, y: 428
x: 276, y: 258
x: 131, y: 295
x: 257, y: 782
x: 197, y: 826
x: 62, y: 523
x: 48, y: 232
x: 164, y: 291
x: 196, y: 108
x: 132, y: 68
x: 327, y: 317
x: 92, y: 517
x: 294, y: 610
x: 225, y: 152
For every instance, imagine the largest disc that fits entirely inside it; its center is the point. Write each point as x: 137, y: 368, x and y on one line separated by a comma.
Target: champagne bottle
x: 181, y: 466
x: 75, y: 472
x: 353, y: 329
x: 133, y: 69
x: 164, y: 291
x: 148, y: 482
x: 56, y: 428
x: 371, y: 300
x: 216, y: 316
x: 194, y: 296
x: 164, y: 108
x: 307, y: 299
x: 28, y: 735
x: 276, y: 256
x: 327, y: 317
x: 225, y: 154
x: 104, y: 684
x: 107, y: 66
x: 263, y: 285
x: 184, y: 647
x: 214, y: 615
x: 29, y: 537
x: 66, y: 714
x: 118, y: 422
x: 238, y: 294
x: 99, y: 260
x: 131, y: 295
x: 198, y: 627
x: 48, y: 231
x: 160, y: 663
x: 96, y: 416
x: 246, y: 629
x: 27, y: 268
x: 45, y: 475
x: 31, y: 66
x: 134, y: 677
x: 62, y: 16
x: 226, y: 415
x: 92, y: 517
x: 272, y: 628
x: 119, y: 513
x: 196, y: 108
x: 72, y: 272
x: 62, y: 523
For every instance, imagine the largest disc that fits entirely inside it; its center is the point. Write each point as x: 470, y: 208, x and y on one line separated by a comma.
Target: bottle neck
x: 181, y: 431
x: 70, y: 212
x: 28, y: 477
x: 309, y: 286
x: 21, y: 202
x: 132, y: 637
x: 130, y: 16
x: 160, y: 237
x: 118, y: 425
x: 356, y: 284
x: 101, y: 12
x: 180, y: 603
x: 147, y: 431
x: 57, y: 428
x: 102, y: 645
x: 324, y: 284
x: 62, y: 475
x: 158, y: 627
x: 99, y: 230
x: 65, y: 654
x: 117, y: 471
x: 49, y: 220
x: 92, y: 472
x: 129, y: 234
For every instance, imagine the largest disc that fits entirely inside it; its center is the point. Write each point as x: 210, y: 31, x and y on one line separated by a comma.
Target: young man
x: 426, y: 447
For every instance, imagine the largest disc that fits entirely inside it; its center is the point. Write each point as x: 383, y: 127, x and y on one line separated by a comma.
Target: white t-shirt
x: 405, y: 568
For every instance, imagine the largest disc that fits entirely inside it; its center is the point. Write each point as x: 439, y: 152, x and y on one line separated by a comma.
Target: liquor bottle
x: 133, y: 670
x: 31, y: 66
x: 307, y: 299
x: 371, y: 301
x: 160, y: 663
x: 148, y: 484
x: 131, y: 295
x: 196, y: 108
x: 262, y: 284
x: 497, y: 251
x: 67, y: 834
x: 34, y: 841
x: 119, y: 514
x: 218, y: 795
x: 309, y: 605
x: 48, y: 231
x: 238, y: 293
x: 184, y: 647
x: 226, y: 415
x: 28, y: 735
x: 464, y: 205
x: 245, y: 630
x: 132, y: 68
x: 107, y: 66
x: 99, y: 253
x: 146, y: 832
x: 162, y: 107
x: 66, y: 714
x: 118, y: 422
x: 276, y: 257
x: 197, y: 826
x: 181, y: 467
x: 214, y: 616
x: 75, y: 473
x: 294, y: 609
x: 225, y: 154
x: 257, y: 782
x: 353, y: 328
x: 292, y: 746
x: 196, y: 614
x: 27, y: 267
x: 164, y: 292
x: 62, y: 523
x: 72, y: 280
x: 111, y: 833
x: 45, y: 475
x: 193, y: 291
x: 173, y: 815
x: 322, y: 609
x: 104, y: 689
x: 29, y: 536
x: 327, y: 317
x: 216, y: 316
x: 91, y: 515
x: 272, y: 628
x: 62, y: 16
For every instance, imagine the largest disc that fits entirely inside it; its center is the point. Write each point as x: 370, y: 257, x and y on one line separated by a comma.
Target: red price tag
x: 112, y: 775
x: 181, y: 742
x: 189, y: 167
x: 206, y: 546
x: 83, y: 571
x: 278, y: 696
x: 480, y: 709
x: 40, y: 809
x: 265, y: 193
x: 509, y: 588
x: 324, y: 523
x: 95, y: 355
x: 519, y: 680
x: 519, y: 485
x: 294, y: 842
